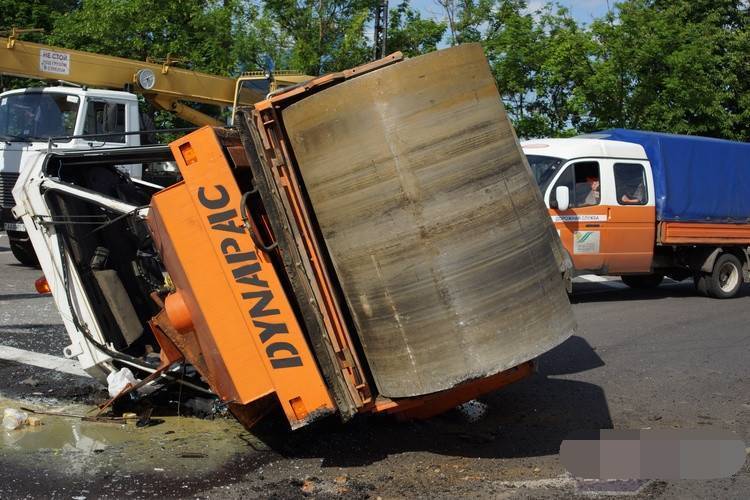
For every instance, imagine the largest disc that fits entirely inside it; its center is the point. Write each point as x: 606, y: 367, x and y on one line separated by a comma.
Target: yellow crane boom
x: 163, y: 84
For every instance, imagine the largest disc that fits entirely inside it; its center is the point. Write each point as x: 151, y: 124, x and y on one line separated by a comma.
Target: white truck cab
x: 54, y: 118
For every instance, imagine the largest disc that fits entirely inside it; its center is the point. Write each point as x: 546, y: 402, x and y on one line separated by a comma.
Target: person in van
x: 593, y: 194
x: 635, y: 197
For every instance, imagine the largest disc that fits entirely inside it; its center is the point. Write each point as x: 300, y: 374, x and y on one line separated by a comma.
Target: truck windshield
x: 544, y: 169
x: 37, y: 116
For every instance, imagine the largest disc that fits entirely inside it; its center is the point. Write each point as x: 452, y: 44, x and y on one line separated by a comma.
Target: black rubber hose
x: 248, y: 225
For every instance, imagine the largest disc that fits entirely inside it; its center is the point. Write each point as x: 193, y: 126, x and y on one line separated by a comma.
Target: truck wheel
x: 643, y: 280
x: 22, y: 250
x: 725, y: 280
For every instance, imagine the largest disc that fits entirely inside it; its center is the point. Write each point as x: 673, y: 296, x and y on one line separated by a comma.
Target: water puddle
x: 177, y: 445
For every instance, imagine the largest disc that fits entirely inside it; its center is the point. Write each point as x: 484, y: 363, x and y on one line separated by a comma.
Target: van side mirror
x: 562, y: 195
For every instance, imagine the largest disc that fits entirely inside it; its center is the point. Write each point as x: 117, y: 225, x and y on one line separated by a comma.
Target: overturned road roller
x: 368, y: 241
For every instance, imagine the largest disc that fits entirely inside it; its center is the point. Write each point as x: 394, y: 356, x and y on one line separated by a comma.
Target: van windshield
x: 544, y: 169
x: 37, y: 116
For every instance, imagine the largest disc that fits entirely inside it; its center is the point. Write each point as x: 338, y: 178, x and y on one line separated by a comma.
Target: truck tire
x: 22, y: 249
x: 643, y: 281
x: 725, y: 280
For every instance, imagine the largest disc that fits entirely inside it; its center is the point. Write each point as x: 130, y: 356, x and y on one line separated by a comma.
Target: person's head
x: 592, y: 181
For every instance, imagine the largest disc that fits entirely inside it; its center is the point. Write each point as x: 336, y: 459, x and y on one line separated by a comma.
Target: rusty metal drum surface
x: 432, y: 220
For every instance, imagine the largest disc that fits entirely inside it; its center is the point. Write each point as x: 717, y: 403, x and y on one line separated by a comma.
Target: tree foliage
x: 411, y: 34
x: 677, y: 66
x: 671, y: 65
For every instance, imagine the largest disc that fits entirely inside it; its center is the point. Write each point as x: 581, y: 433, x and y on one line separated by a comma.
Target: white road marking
x: 595, y: 278
x: 42, y: 360
x: 587, y: 487
x: 610, y: 281
x: 564, y: 481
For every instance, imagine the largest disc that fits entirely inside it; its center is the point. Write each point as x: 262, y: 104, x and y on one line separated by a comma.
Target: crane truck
x: 645, y: 205
x: 101, y: 109
x: 370, y: 241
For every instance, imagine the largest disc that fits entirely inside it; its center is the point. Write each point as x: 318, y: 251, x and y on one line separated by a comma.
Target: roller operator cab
x: 644, y: 205
x: 49, y: 118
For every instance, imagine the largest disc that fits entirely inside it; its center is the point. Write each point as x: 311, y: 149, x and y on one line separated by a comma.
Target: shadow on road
x: 21, y: 296
x: 575, y: 355
x: 527, y: 419
x: 21, y: 266
x: 4, y: 249
x: 593, y: 292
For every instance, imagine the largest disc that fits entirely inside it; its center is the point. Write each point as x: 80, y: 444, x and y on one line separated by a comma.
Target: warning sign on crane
x: 54, y: 62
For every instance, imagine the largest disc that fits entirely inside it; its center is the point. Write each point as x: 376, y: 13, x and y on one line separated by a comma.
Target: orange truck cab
x: 614, y: 217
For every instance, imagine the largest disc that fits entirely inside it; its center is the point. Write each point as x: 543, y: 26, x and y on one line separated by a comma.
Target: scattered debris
x: 308, y: 486
x: 119, y: 381
x: 85, y: 418
x: 14, y: 419
x: 30, y: 381
x: 145, y: 419
x: 473, y: 411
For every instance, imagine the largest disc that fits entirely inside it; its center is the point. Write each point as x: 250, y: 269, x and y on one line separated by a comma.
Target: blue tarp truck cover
x: 696, y: 179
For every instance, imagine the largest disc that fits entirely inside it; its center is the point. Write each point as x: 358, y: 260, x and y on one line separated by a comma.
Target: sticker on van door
x: 585, y: 242
x: 579, y: 218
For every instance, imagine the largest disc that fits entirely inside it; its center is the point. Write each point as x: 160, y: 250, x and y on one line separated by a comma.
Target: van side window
x: 565, y: 179
x: 630, y: 184
x: 582, y: 180
x: 104, y: 117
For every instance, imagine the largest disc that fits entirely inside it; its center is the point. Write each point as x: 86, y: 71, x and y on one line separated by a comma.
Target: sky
x: 582, y: 10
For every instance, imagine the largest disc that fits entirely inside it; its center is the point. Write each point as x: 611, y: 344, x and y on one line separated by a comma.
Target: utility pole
x: 381, y: 29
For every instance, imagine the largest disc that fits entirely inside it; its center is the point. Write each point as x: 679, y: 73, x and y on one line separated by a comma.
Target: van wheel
x: 643, y: 280
x: 22, y: 250
x: 725, y: 280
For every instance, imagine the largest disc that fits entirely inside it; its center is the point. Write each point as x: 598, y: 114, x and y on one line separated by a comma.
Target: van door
x: 631, y: 223
x: 612, y: 232
x: 582, y: 227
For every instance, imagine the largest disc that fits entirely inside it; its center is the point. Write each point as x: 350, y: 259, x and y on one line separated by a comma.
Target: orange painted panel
x: 676, y: 233
x: 571, y: 223
x: 630, y: 238
x: 608, y: 239
x: 239, y: 307
x: 171, y: 227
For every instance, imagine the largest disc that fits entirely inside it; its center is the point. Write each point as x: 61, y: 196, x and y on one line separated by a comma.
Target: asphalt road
x: 659, y: 359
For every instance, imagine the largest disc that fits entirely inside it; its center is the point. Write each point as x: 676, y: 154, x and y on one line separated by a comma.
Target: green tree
x: 321, y: 36
x: 26, y: 14
x: 33, y: 14
x: 677, y: 66
x: 511, y: 46
x: 410, y: 33
x: 200, y: 33
x: 539, y: 59
x: 466, y: 19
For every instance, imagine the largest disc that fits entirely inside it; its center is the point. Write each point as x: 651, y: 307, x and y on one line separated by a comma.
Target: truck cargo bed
x: 697, y: 233
x: 696, y: 179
